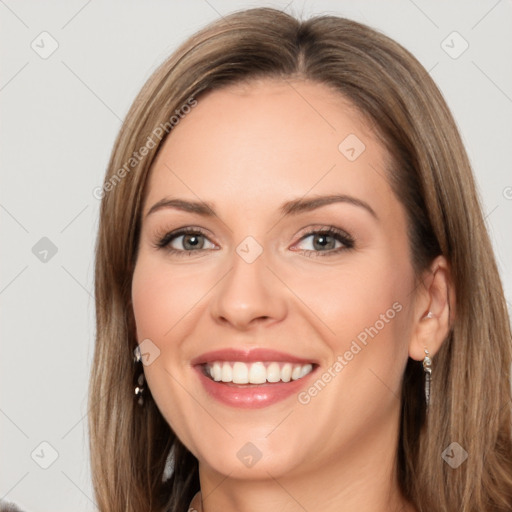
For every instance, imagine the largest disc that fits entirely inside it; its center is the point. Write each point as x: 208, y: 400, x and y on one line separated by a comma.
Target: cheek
x: 355, y: 297
x: 161, y: 298
x: 149, y: 301
x: 161, y: 301
x: 366, y: 308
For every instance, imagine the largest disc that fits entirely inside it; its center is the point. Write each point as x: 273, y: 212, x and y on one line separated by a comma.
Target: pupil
x: 323, y: 244
x: 190, y: 240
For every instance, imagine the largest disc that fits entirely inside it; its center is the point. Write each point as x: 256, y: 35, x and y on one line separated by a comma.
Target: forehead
x: 251, y: 144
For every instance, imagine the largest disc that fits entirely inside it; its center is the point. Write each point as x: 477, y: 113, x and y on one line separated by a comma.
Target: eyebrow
x: 292, y: 207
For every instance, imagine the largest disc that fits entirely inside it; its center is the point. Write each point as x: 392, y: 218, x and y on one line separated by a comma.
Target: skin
x: 248, y: 149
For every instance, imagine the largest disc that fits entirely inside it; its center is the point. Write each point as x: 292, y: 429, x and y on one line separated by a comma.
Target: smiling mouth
x: 239, y: 372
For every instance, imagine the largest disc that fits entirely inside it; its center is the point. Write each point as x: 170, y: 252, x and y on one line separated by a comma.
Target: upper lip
x: 248, y: 356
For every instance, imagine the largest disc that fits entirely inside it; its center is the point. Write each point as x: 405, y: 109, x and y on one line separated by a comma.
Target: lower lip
x: 252, y: 396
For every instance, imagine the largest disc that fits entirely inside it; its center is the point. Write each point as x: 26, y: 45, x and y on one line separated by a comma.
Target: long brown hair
x: 430, y: 173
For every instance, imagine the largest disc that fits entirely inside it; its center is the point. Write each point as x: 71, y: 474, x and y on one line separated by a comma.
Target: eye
x: 326, y: 242
x: 320, y: 242
x: 184, y: 241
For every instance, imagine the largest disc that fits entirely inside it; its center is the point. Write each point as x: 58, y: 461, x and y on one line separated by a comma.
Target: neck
x: 360, y: 479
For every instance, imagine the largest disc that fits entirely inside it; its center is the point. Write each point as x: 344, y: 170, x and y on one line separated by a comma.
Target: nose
x: 248, y: 295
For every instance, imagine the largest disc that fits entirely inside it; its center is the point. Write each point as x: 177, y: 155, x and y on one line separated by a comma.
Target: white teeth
x: 240, y: 373
x: 305, y: 370
x: 216, y: 372
x: 256, y: 373
x: 296, y: 372
x: 227, y: 373
x: 273, y: 372
x: 286, y: 372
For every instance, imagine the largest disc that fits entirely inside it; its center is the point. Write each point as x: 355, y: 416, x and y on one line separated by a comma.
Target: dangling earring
x: 427, y: 368
x: 169, y: 465
x: 139, y: 386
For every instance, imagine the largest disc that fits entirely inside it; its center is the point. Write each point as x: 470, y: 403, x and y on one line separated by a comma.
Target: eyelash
x: 337, y: 234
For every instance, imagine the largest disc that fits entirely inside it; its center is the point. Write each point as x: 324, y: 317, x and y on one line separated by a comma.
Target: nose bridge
x: 249, y: 291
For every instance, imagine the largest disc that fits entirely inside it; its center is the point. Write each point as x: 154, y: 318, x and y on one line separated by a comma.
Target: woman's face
x: 295, y: 275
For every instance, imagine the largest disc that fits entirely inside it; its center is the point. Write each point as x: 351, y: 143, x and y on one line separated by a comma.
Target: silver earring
x: 139, y: 386
x: 429, y: 315
x: 427, y: 368
x: 169, y: 465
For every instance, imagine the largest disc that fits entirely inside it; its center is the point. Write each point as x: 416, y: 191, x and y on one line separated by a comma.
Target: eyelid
x: 341, y: 235
x: 166, y: 237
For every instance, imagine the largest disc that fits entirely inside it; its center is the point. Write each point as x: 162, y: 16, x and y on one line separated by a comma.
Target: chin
x: 275, y: 465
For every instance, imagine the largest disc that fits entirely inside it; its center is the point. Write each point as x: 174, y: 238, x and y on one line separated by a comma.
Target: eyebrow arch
x: 293, y: 207
x: 200, y: 207
x: 301, y: 205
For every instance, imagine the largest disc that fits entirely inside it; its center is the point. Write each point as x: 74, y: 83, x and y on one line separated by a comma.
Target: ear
x: 434, y: 309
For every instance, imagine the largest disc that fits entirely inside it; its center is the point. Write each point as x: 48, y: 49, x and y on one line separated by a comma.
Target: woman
x: 292, y: 246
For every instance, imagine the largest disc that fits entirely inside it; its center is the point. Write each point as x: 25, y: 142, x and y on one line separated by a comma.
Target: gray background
x: 59, y: 118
